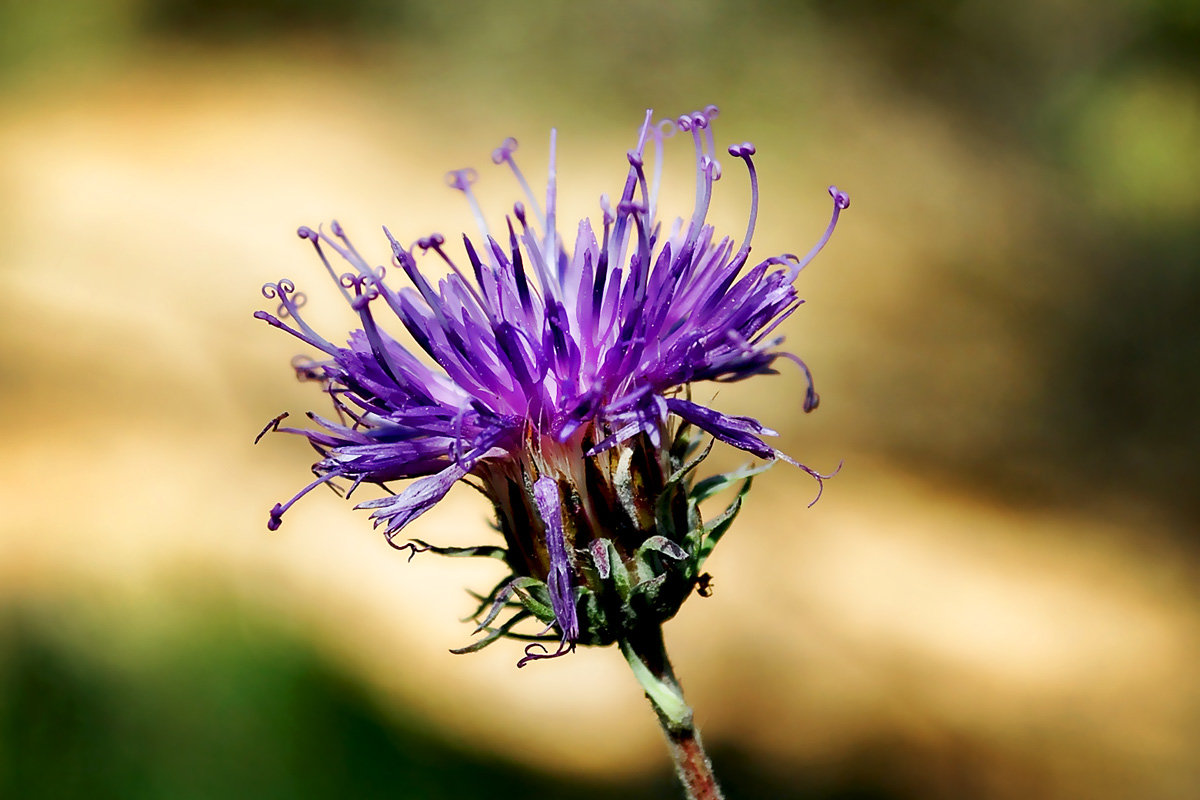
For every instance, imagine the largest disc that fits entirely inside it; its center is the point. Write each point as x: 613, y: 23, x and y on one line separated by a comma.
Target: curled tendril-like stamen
x: 461, y: 179
x: 743, y: 150
x: 411, y: 546
x: 305, y: 232
x: 504, y: 151
x: 841, y: 201
x: 711, y: 168
x: 280, y: 289
x: 290, y: 302
x: 433, y: 240
x: 539, y: 652
x: 365, y: 290
x: 666, y: 128
x: 273, y: 425
x: 819, y: 477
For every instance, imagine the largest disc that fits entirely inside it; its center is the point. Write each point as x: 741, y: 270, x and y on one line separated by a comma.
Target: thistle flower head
x: 555, y: 376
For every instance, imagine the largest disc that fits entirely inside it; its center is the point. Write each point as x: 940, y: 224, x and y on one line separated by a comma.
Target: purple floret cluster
x: 535, y: 364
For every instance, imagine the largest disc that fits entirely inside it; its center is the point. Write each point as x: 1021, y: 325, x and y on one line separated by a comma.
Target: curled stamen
x: 280, y: 289
x: 696, y: 123
x: 305, y: 232
x: 412, y: 547
x: 539, y: 652
x: 461, y: 179
x: 289, y: 306
x: 819, y: 477
x: 359, y: 283
x: 503, y: 155
x: 433, y: 240
x: 744, y: 151
x: 840, y: 198
x: 841, y: 201
x: 363, y: 298
x: 504, y: 151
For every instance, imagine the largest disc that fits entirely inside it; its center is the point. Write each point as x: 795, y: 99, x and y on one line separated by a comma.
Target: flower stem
x: 647, y: 657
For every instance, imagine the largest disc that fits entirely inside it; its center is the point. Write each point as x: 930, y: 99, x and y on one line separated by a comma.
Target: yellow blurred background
x: 995, y: 598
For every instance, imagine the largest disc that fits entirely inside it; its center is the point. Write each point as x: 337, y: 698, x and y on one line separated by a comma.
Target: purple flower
x: 556, y: 375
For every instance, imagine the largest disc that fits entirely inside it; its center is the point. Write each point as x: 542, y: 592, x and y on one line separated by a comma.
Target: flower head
x: 556, y: 378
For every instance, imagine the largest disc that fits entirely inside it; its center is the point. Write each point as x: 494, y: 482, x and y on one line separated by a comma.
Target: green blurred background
x: 996, y: 598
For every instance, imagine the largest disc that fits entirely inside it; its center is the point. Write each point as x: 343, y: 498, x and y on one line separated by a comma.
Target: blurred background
x: 996, y: 598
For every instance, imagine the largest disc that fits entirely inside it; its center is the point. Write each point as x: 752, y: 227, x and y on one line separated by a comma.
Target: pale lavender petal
x: 562, y: 597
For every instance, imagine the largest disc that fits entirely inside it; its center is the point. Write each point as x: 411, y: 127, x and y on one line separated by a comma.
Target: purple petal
x: 562, y: 598
x: 396, y: 511
x: 741, y: 432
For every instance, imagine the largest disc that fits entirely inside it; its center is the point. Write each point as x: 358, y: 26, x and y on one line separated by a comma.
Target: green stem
x: 647, y: 657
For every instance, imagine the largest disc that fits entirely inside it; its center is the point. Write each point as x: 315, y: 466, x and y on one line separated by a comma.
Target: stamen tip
x: 711, y: 168
x: 504, y: 151
x: 840, y: 198
x: 461, y: 179
x: 432, y: 240
x: 305, y: 232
